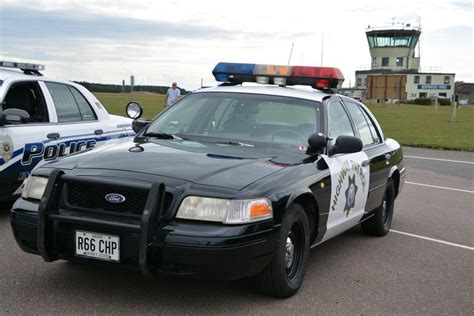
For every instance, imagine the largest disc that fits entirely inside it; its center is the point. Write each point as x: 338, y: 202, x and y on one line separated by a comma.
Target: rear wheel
x: 284, y: 275
x: 379, y: 224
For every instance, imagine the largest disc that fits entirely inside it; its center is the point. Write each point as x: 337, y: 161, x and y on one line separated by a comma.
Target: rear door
x: 79, y: 125
x: 377, y: 153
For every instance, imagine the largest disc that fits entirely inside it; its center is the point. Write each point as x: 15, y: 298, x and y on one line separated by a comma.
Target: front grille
x: 92, y: 197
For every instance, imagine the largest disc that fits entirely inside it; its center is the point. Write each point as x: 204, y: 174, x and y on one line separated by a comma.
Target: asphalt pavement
x: 424, y: 266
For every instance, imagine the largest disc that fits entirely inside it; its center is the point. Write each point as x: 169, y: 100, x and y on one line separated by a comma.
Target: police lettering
x: 38, y: 151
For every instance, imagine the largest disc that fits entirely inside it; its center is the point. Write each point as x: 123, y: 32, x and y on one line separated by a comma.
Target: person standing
x: 173, y: 94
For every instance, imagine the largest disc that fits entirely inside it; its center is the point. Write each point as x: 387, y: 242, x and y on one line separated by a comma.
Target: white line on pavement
x: 439, y: 187
x: 433, y: 239
x: 439, y: 159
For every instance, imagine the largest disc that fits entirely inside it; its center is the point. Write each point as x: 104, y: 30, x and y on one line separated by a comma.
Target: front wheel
x: 379, y: 224
x: 284, y: 275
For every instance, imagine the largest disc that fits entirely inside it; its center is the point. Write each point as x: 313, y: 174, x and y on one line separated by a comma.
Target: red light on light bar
x: 317, y: 72
x: 322, y: 84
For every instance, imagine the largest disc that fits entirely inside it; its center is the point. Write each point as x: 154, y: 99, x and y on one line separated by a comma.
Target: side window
x: 339, y: 123
x: 360, y: 122
x: 70, y: 105
x: 84, y: 106
x: 27, y: 96
x: 66, y: 106
x: 373, y: 130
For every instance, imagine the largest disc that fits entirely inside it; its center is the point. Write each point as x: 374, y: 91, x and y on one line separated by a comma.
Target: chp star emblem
x: 350, y: 195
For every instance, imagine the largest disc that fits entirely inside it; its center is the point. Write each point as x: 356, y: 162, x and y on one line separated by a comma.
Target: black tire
x: 284, y: 275
x: 379, y: 224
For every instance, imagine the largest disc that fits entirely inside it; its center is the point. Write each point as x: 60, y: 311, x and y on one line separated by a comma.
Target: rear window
x: 70, y: 104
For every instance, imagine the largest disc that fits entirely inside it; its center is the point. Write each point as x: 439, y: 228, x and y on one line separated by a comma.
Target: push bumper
x: 185, y: 248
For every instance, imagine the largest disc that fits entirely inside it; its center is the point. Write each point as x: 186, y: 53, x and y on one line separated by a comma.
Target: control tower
x: 393, y: 47
x: 394, y: 74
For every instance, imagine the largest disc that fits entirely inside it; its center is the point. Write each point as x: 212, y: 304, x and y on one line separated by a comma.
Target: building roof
x: 399, y: 72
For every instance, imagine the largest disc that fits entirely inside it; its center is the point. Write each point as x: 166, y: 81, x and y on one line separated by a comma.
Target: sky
x: 160, y: 42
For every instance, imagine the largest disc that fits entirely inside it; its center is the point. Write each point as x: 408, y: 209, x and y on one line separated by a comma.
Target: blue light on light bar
x: 228, y: 72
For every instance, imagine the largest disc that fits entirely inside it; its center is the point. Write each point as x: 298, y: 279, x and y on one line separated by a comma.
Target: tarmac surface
x: 423, y: 266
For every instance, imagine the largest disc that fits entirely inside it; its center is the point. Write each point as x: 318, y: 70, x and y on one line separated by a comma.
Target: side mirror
x: 346, y: 145
x: 139, y: 124
x: 317, y: 142
x: 15, y: 115
x: 134, y: 110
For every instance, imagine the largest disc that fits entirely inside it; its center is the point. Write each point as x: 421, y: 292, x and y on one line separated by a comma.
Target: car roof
x: 287, y: 91
x: 15, y: 74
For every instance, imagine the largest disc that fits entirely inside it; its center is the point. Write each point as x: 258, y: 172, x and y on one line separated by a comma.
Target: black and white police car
x: 230, y: 182
x: 44, y: 118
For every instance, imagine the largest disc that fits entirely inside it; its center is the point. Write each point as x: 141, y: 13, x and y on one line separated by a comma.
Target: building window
x: 428, y: 79
x: 400, y: 61
x: 422, y: 94
x: 374, y: 62
x: 365, y: 82
x: 447, y: 79
x: 442, y: 94
x: 359, y: 82
x: 384, y: 61
x: 416, y: 79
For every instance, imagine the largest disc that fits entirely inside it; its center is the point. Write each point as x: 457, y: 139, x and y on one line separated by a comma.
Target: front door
x: 378, y: 156
x: 349, y: 176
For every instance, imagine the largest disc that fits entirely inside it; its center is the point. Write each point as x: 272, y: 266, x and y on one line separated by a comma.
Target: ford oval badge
x: 115, y: 198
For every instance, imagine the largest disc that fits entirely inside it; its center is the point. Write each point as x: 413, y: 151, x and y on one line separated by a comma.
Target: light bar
x: 22, y: 66
x: 317, y: 77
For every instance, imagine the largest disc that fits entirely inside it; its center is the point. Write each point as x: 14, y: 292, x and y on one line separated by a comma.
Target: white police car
x: 42, y: 119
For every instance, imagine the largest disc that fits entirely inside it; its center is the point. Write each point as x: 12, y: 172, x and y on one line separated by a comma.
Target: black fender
x: 308, y: 201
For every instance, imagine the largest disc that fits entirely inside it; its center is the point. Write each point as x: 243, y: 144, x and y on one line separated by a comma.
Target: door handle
x: 53, y: 136
x: 98, y: 132
x: 365, y: 163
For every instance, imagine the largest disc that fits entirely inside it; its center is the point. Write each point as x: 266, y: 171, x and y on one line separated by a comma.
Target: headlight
x: 34, y: 188
x: 225, y: 211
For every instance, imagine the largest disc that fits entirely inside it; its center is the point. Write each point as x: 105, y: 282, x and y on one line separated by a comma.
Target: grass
x: 115, y: 103
x: 424, y: 126
x: 410, y: 125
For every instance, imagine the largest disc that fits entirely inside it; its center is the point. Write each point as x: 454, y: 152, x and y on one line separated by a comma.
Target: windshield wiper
x: 235, y: 143
x: 163, y: 136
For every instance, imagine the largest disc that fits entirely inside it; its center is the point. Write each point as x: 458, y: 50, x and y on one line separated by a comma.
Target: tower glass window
x: 384, y: 61
x: 416, y: 79
x: 374, y: 62
x: 428, y: 79
x: 447, y: 79
x: 393, y: 38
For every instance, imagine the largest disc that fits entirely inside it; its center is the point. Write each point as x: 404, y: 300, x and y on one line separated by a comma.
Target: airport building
x: 394, y: 74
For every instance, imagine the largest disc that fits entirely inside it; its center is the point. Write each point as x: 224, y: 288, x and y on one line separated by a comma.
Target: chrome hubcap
x: 290, y: 252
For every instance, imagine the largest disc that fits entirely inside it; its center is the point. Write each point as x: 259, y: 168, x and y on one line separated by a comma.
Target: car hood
x: 198, y: 164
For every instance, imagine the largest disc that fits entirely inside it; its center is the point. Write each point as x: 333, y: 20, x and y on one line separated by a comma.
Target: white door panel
x: 349, y: 190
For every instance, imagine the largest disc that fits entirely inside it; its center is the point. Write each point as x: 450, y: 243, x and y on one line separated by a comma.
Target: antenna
x: 322, y: 48
x: 419, y: 43
x: 291, y: 53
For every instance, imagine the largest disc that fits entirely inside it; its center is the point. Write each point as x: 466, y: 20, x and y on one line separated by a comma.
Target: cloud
x: 106, y: 41
x: 18, y: 23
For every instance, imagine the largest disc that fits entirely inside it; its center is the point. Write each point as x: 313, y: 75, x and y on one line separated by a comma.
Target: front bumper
x: 185, y: 248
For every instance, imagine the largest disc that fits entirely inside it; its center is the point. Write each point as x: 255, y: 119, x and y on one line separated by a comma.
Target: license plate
x: 97, y: 246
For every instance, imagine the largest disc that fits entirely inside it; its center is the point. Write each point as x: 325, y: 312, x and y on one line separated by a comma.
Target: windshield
x: 239, y: 117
